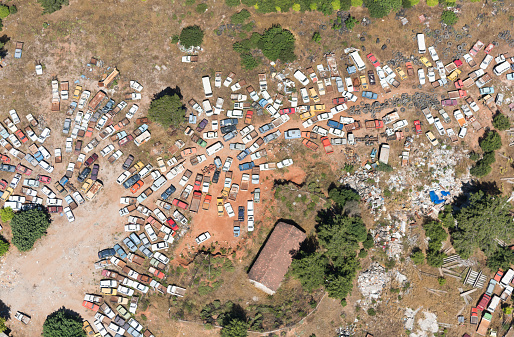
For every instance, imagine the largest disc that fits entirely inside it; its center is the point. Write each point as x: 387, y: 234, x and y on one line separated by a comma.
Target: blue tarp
x: 435, y: 198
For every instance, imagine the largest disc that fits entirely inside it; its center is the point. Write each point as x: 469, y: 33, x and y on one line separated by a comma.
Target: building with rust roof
x: 271, y: 265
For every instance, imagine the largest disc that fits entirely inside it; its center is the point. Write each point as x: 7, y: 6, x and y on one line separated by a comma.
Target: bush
x: 363, y: 253
x: 240, y: 17
x: 350, y: 22
x: 232, y: 3
x: 175, y: 39
x: 368, y: 243
x: 4, y: 247
x: 409, y: 3
x: 480, y: 170
x: 418, y: 257
x: 4, y: 11
x: 381, y: 8
x: 277, y: 43
x: 201, y: 8
x: 297, y: 7
x: 6, y: 214
x: 13, y: 9
x: 190, y: 2
x: 51, y: 6
x: 316, y: 37
x: 236, y: 328
x: 491, y: 142
x: 441, y: 280
x: 501, y: 122
x: 474, y: 156
x: 167, y: 110
x: 28, y: 226
x: 61, y: 323
x: 372, y: 312
x: 249, y: 62
x: 449, y: 18
x: 3, y: 327
x: 432, y: 3
x: 384, y: 167
x: 488, y: 158
x: 191, y: 36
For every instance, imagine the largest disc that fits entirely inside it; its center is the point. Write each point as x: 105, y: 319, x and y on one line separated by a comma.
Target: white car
x: 115, y: 156
x: 44, y: 135
x: 210, y: 135
x: 463, y: 131
x: 132, y: 227
x: 229, y: 209
x: 235, y: 113
x: 214, y: 124
x: 15, y: 142
x: 246, y: 130
x: 485, y: 63
x: 132, y: 111
x: 124, y: 176
x: 474, y: 106
x: 421, y: 76
x: 116, y: 328
x: 305, y: 95
x: 69, y: 214
x: 301, y: 77
x: 203, y: 237
x: 227, y: 164
x: 14, y: 116
x: 439, y: 126
x: 125, y: 291
x: 83, y: 99
x: 160, y: 215
x: 69, y: 144
x: 30, y: 133
x: 431, y: 74
x: 151, y: 232
x: 285, y: 163
x: 433, y: 53
x: 161, y: 257
x: 349, y: 84
x: 78, y: 197
x: 48, y: 192
x: 324, y: 116
x: 47, y: 167
x: 136, y: 86
x: 145, y: 170
x: 106, y: 150
x: 141, y: 287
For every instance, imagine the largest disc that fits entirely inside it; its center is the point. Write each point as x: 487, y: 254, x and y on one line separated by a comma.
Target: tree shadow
x: 5, y: 310
x: 474, y: 186
x: 4, y: 39
x: 236, y: 312
x: 169, y: 92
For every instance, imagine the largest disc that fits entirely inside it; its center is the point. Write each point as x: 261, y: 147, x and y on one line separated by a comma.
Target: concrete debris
x: 346, y: 331
x: 411, y: 314
x: 426, y: 327
x: 360, y: 182
x: 372, y: 281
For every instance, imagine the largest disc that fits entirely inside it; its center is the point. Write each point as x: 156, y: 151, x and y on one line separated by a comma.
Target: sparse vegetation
x: 350, y: 22
x: 316, y: 37
x: 28, y: 226
x: 417, y: 256
x: 51, y: 6
x: 449, y: 17
x: 167, y: 110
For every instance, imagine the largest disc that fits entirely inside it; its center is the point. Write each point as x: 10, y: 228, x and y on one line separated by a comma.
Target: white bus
x: 356, y: 58
x: 207, y: 86
x: 421, y: 43
x: 210, y: 150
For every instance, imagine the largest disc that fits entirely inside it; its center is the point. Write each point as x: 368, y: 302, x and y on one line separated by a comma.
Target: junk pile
x: 389, y: 237
x: 369, y: 193
x: 372, y: 281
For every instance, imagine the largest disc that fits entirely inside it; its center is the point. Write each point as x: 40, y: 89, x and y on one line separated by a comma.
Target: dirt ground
x: 59, y: 270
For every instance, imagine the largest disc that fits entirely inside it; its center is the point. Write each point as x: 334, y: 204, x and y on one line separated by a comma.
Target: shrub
x: 480, y: 169
x: 349, y: 168
x: 372, y: 312
x: 488, y: 158
x: 474, y: 156
x: 418, y: 257
x: 13, y: 9
x: 441, y: 280
x: 409, y: 3
x: 501, y: 122
x: 232, y: 3
x: 363, y: 253
x: 277, y: 43
x: 384, y: 167
x: 6, y: 214
x: 190, y: 2
x: 4, y: 247
x: 249, y: 62
x: 62, y: 323
x: 449, y: 18
x: 432, y: 3
x: 491, y: 142
x: 336, y: 5
x: 368, y: 243
x: 235, y: 328
x: 381, y: 8
x: 350, y: 22
x: 249, y: 3
x: 201, y: 8
x: 240, y: 17
x: 316, y: 37
x: 356, y: 3
x: 191, y: 36
x: 167, y: 110
x: 51, y: 6
x: 3, y: 327
x: 28, y: 226
x: 297, y: 7
x: 4, y: 11
x: 175, y: 39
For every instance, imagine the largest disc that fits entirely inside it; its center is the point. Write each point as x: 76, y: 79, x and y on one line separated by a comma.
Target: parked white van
x: 501, y: 68
x: 206, y: 81
x: 210, y: 150
x: 301, y: 77
x: 421, y: 43
x: 357, y: 60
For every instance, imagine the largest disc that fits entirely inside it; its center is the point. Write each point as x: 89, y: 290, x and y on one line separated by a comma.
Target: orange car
x: 90, y: 305
x: 187, y: 152
x: 136, y: 186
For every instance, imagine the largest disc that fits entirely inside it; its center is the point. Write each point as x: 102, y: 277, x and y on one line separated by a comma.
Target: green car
x: 123, y: 312
x: 201, y: 142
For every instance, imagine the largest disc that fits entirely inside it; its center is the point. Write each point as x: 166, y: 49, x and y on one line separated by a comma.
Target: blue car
x: 130, y: 244
x: 246, y: 166
x: 237, y: 230
x: 63, y: 181
x: 334, y: 124
x: 263, y: 102
x: 168, y: 192
x: 486, y: 90
x: 148, y: 253
x: 120, y: 251
x: 351, y: 70
x: 293, y: 134
x: 106, y: 253
x: 242, y: 155
x: 135, y: 238
x: 39, y: 157
x: 369, y: 94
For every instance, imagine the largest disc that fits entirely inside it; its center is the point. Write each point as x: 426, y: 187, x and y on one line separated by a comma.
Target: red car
x: 417, y: 126
x: 90, y: 305
x: 21, y: 136
x: 92, y: 158
x: 459, y: 84
x: 44, y: 179
x: 3, y: 184
x: 489, y: 48
x: 158, y: 273
x: 109, y: 273
x: 5, y: 159
x: 136, y: 186
x: 89, y: 132
x: 179, y: 203
x: 54, y: 209
x: 287, y: 111
x: 172, y: 224
x: 338, y: 100
x: 327, y: 145
x: 373, y: 60
x: 23, y: 169
x: 125, y: 140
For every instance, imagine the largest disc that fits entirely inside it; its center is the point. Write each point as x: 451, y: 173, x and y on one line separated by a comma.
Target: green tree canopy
x: 435, y: 258
x: 191, y: 36
x: 484, y: 219
x: 278, y: 44
x: 501, y: 258
x: 481, y: 169
x: 3, y: 327
x: 240, y: 17
x: 316, y: 37
x: 310, y: 269
x: 51, y: 6
x: 4, y: 11
x: 436, y: 233
x: 236, y: 328
x: 167, y: 110
x: 6, y: 214
x: 491, y: 142
x: 501, y: 122
x: 28, y: 226
x: 232, y: 3
x: 350, y: 22
x: 341, y: 195
x: 4, y: 246
x: 418, y: 257
x: 60, y: 323
x: 446, y: 216
x: 381, y: 8
x: 449, y: 17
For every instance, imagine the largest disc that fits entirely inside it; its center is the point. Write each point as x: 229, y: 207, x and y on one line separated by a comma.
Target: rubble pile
x: 426, y: 327
x: 360, y: 182
x: 389, y: 237
x: 373, y: 280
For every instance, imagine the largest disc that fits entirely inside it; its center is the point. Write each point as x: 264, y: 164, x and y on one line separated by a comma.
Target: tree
x: 481, y: 169
x: 249, y: 62
x: 501, y: 122
x: 240, y: 17
x: 381, y: 8
x: 449, y: 17
x: 277, y: 43
x: 341, y: 195
x: 4, y: 247
x: 501, y: 258
x: 4, y: 11
x: 418, y: 257
x: 6, y: 214
x: 436, y: 233
x: 236, y: 328
x: 350, y: 22
x: 316, y: 37
x: 167, y: 110
x: 61, y: 323
x: 13, y: 9
x: 3, y: 327
x: 191, y: 36
x: 51, y: 6
x: 435, y: 258
x: 446, y: 216
x: 310, y: 269
x: 28, y: 226
x: 491, y: 142
x: 232, y: 3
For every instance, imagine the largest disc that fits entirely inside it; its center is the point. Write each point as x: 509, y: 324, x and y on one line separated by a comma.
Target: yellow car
x: 425, y: 61
x: 86, y: 185
x: 224, y: 193
x: 453, y: 76
x: 431, y: 138
x: 219, y: 202
x: 314, y: 95
x: 139, y: 166
x: 109, y: 291
x: 400, y: 72
x: 306, y: 115
x: 161, y: 165
x: 7, y: 193
x: 88, y: 329
x: 364, y: 82
x: 318, y: 107
x: 76, y: 93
